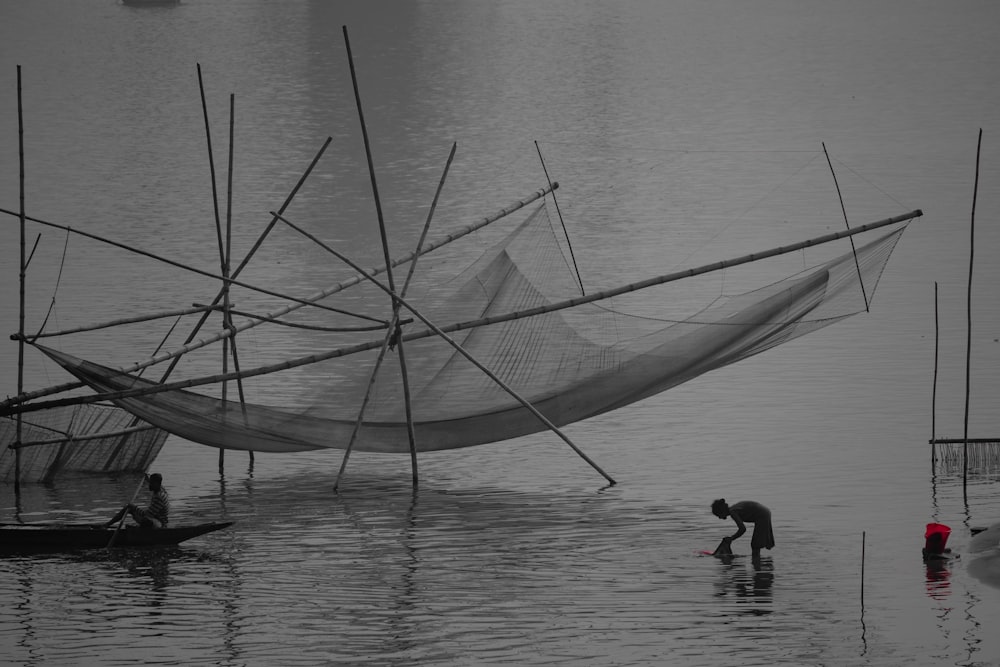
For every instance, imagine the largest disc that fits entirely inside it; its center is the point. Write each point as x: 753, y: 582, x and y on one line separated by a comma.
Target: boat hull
x: 55, y: 537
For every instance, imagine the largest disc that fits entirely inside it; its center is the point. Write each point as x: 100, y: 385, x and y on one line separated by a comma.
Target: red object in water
x: 936, y: 537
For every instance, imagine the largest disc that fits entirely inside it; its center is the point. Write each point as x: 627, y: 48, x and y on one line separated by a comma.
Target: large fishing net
x: 569, y: 363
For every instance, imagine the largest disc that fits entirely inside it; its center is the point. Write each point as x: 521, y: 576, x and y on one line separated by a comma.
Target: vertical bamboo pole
x: 218, y: 233
x: 968, y: 310
x: 388, y: 258
x: 934, y: 386
x: 21, y: 277
x: 227, y: 308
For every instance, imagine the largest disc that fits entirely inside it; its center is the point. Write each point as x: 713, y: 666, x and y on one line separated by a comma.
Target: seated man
x: 156, y: 514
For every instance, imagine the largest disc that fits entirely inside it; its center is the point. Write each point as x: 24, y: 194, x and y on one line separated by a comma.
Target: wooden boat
x: 22, y: 537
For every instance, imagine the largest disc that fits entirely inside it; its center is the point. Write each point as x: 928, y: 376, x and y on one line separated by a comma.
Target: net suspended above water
x: 572, y: 358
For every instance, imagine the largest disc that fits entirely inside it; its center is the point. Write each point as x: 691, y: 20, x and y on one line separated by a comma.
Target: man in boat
x: 154, y: 515
x: 746, y: 511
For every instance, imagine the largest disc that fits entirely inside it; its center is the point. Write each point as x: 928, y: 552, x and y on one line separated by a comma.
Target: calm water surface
x: 682, y: 133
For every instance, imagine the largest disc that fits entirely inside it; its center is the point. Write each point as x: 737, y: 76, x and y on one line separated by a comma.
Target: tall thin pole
x: 934, y: 387
x: 569, y: 244
x: 228, y: 306
x: 861, y: 280
x: 21, y: 278
x: 968, y: 335
x: 388, y: 260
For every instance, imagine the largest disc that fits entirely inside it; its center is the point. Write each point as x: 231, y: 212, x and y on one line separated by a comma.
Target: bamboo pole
x: 864, y: 294
x: 394, y: 303
x: 6, y: 409
x: 125, y: 320
x: 569, y: 244
x: 92, y: 436
x: 475, y: 362
x: 211, y: 160
x: 937, y: 336
x: 228, y: 306
x: 968, y: 335
x: 218, y: 235
x: 22, y: 277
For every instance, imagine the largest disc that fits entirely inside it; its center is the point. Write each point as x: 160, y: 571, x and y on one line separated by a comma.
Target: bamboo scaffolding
x: 191, y: 345
x: 475, y: 362
x: 8, y: 408
x: 393, y: 332
x: 192, y: 269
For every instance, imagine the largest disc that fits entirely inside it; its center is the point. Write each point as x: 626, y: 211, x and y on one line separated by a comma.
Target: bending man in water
x: 156, y: 514
x: 747, y: 511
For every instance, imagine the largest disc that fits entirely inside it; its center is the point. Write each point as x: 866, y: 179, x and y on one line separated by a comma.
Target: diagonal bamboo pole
x: 125, y: 320
x: 555, y: 201
x: 861, y: 281
x: 475, y: 362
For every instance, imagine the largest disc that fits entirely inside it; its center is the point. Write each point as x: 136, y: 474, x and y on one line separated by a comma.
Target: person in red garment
x: 746, y: 511
x: 154, y: 515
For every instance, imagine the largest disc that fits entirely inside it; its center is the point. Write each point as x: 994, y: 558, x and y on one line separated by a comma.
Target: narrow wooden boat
x: 21, y: 537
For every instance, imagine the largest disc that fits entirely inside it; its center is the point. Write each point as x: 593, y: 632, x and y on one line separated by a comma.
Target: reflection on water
x: 938, y: 577
x: 751, y: 585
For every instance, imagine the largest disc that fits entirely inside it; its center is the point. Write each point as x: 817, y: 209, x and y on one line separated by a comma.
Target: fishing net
x: 570, y: 363
x: 84, y: 438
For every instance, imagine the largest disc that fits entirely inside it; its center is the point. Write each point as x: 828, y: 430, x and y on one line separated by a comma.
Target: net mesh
x: 570, y: 364
x: 87, y: 438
